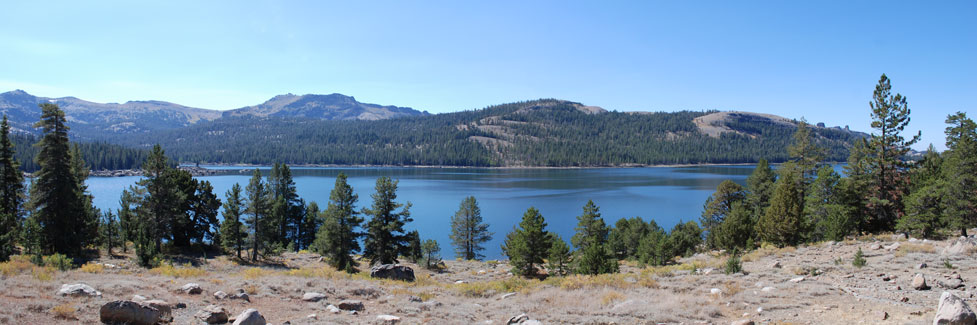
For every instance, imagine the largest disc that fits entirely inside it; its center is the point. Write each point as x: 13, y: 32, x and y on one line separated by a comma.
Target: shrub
x: 946, y: 263
x: 94, y: 268
x: 16, y: 265
x: 58, y: 261
x: 859, y: 260
x: 65, y: 311
x: 733, y: 264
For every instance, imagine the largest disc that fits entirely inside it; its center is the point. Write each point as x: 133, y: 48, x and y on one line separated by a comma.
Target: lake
x: 667, y: 195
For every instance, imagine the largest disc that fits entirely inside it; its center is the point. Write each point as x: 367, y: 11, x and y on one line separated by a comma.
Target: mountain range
x: 338, y: 130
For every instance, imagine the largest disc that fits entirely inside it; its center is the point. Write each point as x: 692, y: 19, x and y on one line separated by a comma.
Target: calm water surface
x: 664, y: 194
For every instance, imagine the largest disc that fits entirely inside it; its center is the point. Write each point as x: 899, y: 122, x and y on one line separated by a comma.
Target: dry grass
x: 907, y: 247
x: 186, y: 271
x: 255, y: 273
x: 611, y: 297
x: 488, y: 288
x: 93, y: 268
x: 18, y: 264
x: 616, y: 281
x: 43, y: 274
x: 251, y: 289
x: 767, y: 250
x: 65, y: 311
x: 324, y: 272
x: 731, y: 288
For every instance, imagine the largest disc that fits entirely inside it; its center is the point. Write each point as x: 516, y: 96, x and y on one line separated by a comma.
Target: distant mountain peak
x: 333, y: 106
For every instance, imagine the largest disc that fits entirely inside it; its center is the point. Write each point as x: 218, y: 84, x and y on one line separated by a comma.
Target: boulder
x: 212, y: 315
x: 517, y: 319
x: 387, y: 319
x: 313, y: 296
x: 892, y: 247
x: 952, y: 283
x: 919, y: 282
x: 351, y: 305
x: 393, y: 272
x: 165, y: 312
x: 78, y: 290
x: 191, y: 289
x: 219, y: 295
x: 875, y: 246
x: 953, y: 311
x: 333, y: 309
x: 250, y: 317
x: 241, y: 296
x: 128, y: 312
x: 961, y: 246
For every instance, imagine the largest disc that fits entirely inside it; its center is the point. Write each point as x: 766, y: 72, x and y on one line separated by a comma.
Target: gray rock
x: 128, y: 312
x: 415, y: 299
x: 333, y: 309
x: 351, y: 305
x: 875, y: 246
x: 921, y: 266
x: 165, y: 312
x: 775, y: 265
x: 961, y: 246
x: 517, y: 319
x: 313, y: 296
x: 508, y: 295
x: 138, y: 298
x: 78, y: 290
x: 892, y: 247
x: 212, y: 315
x: 919, y: 282
x: 250, y: 317
x: 953, y: 311
x: 797, y: 279
x: 952, y: 284
x: 393, y: 272
x: 387, y: 319
x: 219, y: 295
x: 743, y: 322
x: 191, y: 289
x: 241, y: 296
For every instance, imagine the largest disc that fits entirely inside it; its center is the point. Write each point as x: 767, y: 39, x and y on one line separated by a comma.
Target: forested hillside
x: 534, y: 133
x: 97, y: 155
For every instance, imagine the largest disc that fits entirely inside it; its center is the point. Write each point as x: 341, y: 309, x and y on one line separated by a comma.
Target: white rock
x: 759, y: 310
x: 332, y: 309
x: 250, y: 317
x: 313, y: 296
x: 191, y: 288
x: 768, y: 289
x: 797, y: 279
x: 508, y: 295
x: 78, y: 290
x: 220, y: 295
x: 312, y: 316
x: 715, y: 291
x: 961, y: 246
x: 953, y: 310
x: 388, y: 319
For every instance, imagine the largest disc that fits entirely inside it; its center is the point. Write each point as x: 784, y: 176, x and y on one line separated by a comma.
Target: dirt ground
x: 814, y: 284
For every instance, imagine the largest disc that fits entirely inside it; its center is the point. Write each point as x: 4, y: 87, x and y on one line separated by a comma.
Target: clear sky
x: 814, y: 59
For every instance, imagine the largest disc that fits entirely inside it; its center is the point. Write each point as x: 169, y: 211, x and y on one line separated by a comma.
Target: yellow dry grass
x: 93, y: 268
x: 611, y: 297
x: 65, y: 311
x: 18, y: 264
x: 252, y: 273
x: 185, y: 271
x: 767, y: 250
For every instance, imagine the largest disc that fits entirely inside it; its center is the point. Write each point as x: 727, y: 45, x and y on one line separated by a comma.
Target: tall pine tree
x: 527, y: 245
x: 960, y: 173
x: 233, y: 233
x: 468, y: 232
x: 337, y: 238
x: 890, y: 115
x: 385, y: 236
x: 594, y: 255
x: 259, y: 197
x: 11, y: 193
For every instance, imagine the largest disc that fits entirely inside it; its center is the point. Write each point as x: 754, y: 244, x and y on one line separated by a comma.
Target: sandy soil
x: 814, y: 284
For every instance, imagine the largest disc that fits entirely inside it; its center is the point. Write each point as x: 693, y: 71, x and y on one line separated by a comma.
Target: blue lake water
x: 664, y: 194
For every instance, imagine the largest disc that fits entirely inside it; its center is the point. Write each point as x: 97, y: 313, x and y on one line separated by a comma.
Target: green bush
x: 859, y: 260
x: 733, y: 264
x: 58, y: 261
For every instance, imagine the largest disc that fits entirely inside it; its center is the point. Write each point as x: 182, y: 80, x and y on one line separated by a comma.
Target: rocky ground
x: 814, y: 284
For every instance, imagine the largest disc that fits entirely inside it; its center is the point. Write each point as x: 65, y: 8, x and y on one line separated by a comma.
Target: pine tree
x: 385, y: 236
x: 233, y: 232
x: 430, y: 249
x: 805, y: 152
x: 414, y: 250
x: 11, y: 193
x: 110, y: 231
x: 856, y: 186
x: 890, y: 115
x: 468, y: 232
x: 782, y: 224
x: 310, y: 226
x: 287, y: 208
x: 56, y: 197
x: 591, y: 241
x: 337, y: 237
x: 558, y: 256
x: 625, y: 238
x: 684, y: 239
x: 527, y: 245
x: 652, y: 249
x: 759, y: 187
x: 258, y: 210
x: 204, y: 207
x: 736, y: 230
x: 960, y: 173
x: 162, y: 201
x: 924, y: 204
x: 821, y: 203
x: 717, y: 208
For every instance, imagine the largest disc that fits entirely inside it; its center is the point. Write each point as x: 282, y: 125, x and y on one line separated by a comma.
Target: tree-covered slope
x: 534, y: 133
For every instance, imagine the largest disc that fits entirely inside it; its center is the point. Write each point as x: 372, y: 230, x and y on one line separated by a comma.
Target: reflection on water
x: 667, y: 195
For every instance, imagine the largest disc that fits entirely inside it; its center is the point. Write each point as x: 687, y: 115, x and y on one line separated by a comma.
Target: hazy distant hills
x: 337, y: 129
x: 89, y: 120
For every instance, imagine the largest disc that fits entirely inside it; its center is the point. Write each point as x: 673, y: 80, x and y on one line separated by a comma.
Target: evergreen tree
x: 804, y: 151
x: 385, y: 237
x: 717, y: 208
x: 162, y: 201
x: 287, y: 208
x: 233, y: 233
x: 110, y: 231
x: 558, y: 256
x: 759, y: 187
x: 468, y: 232
x: 528, y: 244
x: 11, y: 193
x: 129, y: 214
x: 626, y: 236
x: 591, y: 242
x: 856, y: 186
x: 258, y: 210
x: 960, y: 173
x: 782, y: 223
x: 684, y: 239
x: 821, y: 205
x: 890, y: 115
x: 310, y: 226
x: 653, y: 248
x: 924, y: 204
x: 56, y: 197
x: 430, y: 249
x: 204, y: 207
x: 337, y: 237
x: 736, y: 230
x: 414, y: 250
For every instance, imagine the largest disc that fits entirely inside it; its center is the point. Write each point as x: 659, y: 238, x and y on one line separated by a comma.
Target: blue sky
x: 812, y: 59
